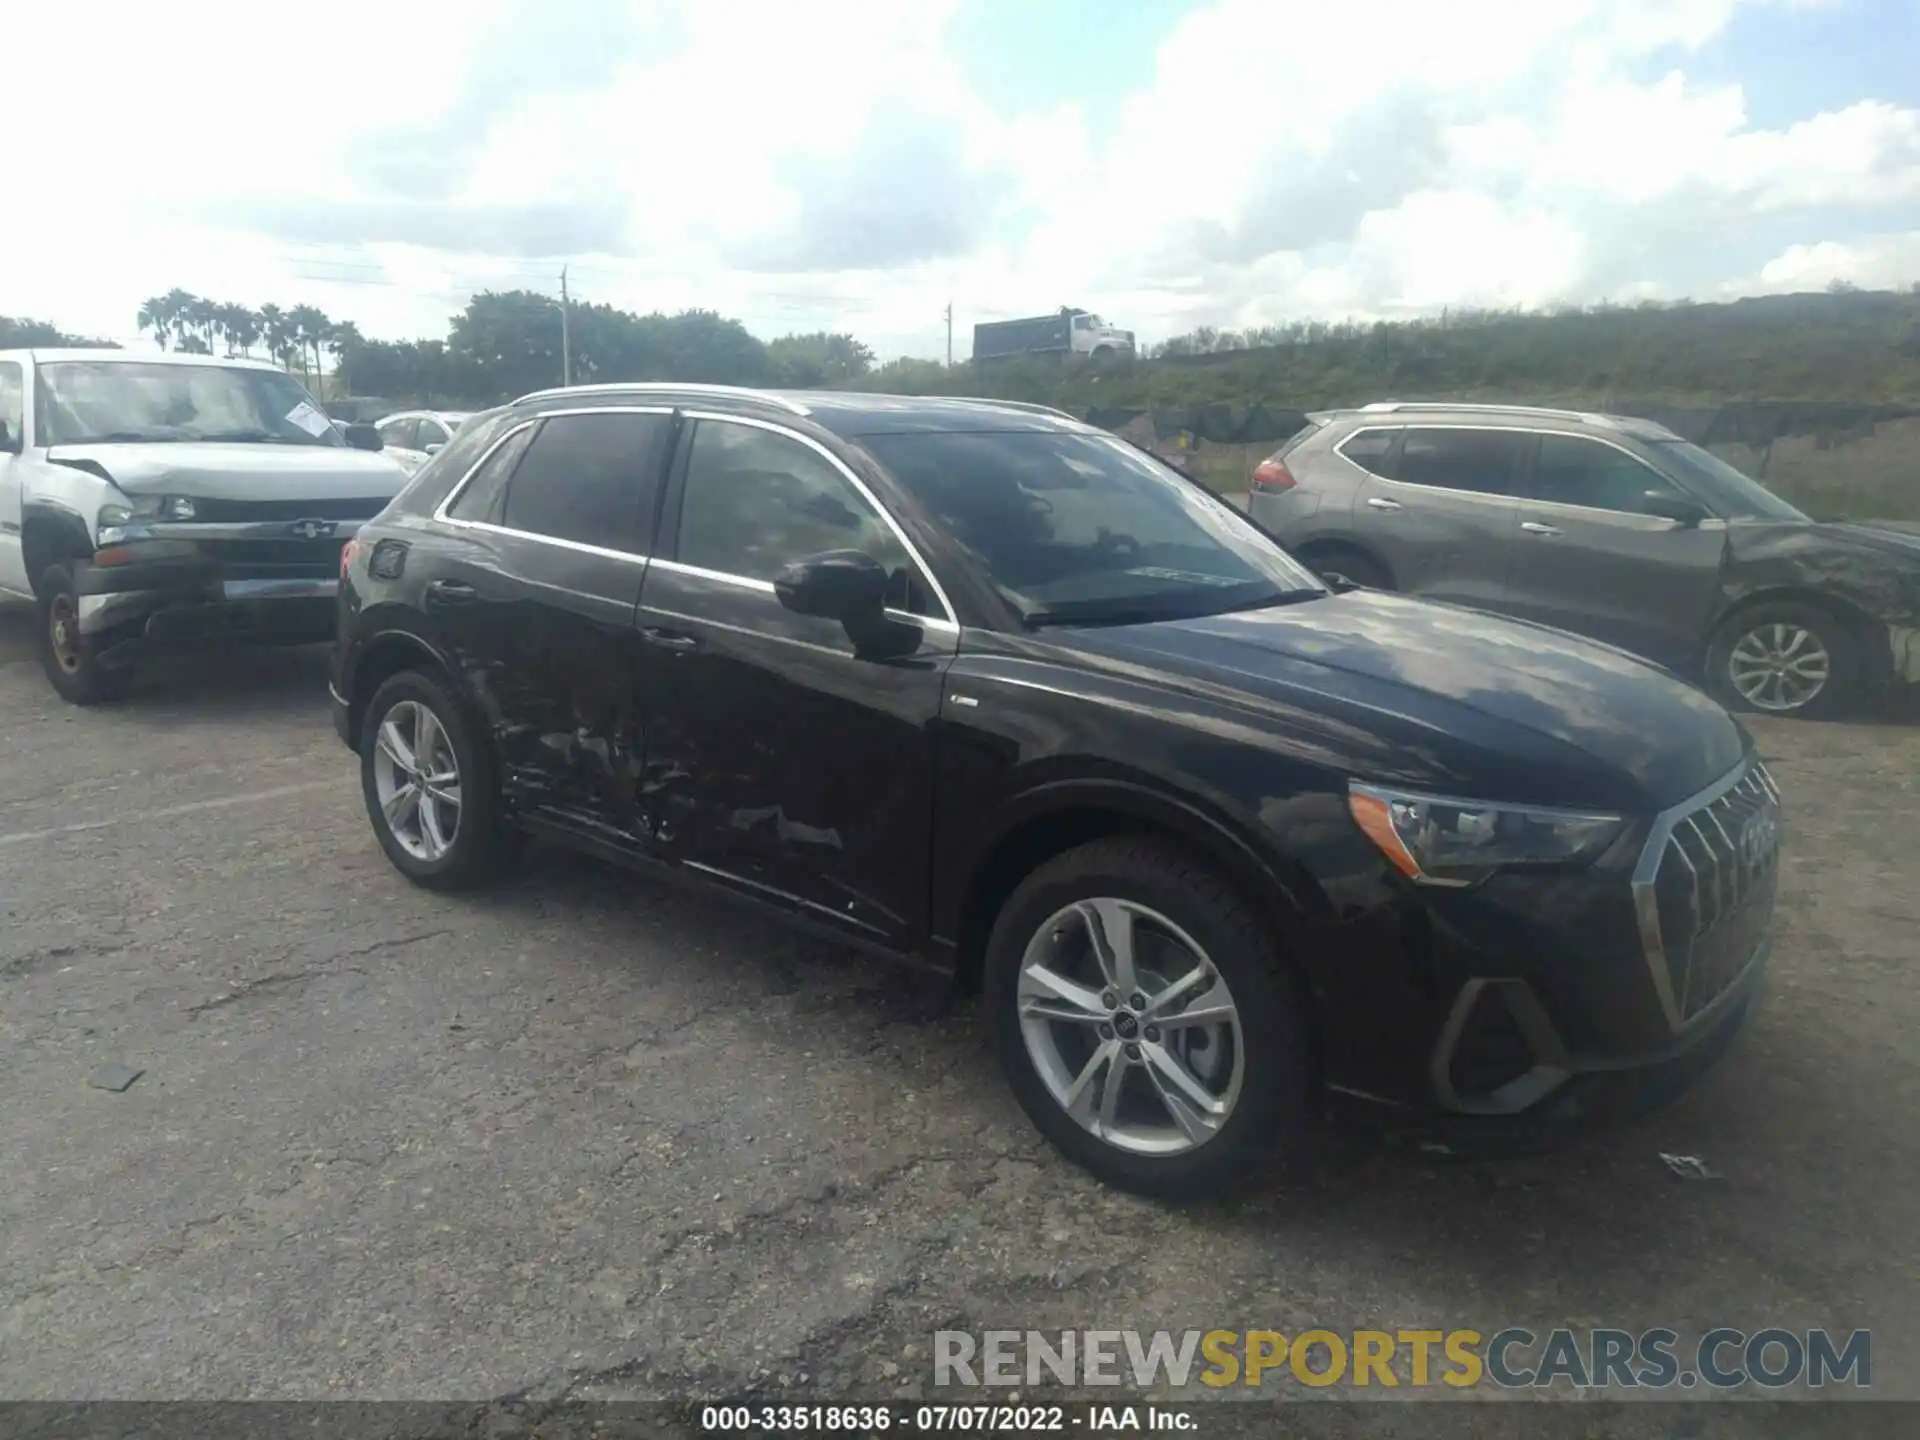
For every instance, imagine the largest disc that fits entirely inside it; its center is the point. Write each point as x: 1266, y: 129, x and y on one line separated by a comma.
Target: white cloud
x: 1873, y: 262
x: 830, y: 164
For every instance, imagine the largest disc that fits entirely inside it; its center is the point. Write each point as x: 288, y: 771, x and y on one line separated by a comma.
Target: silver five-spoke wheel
x: 1779, y: 666
x: 1131, y: 1027
x: 417, y: 780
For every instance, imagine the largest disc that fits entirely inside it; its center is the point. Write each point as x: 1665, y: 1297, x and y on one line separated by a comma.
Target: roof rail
x: 1032, y: 409
x: 791, y: 406
x: 1381, y: 407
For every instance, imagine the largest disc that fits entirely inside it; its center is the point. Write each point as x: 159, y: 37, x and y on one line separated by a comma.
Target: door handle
x: 1378, y: 504
x: 1534, y: 527
x: 445, y: 593
x: 670, y: 640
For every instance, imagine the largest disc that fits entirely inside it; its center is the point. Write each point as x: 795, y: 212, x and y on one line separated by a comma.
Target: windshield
x: 1085, y: 528
x: 91, y: 402
x: 1732, y: 495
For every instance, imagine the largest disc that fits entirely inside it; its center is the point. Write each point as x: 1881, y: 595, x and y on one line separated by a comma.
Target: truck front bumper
x: 188, y: 601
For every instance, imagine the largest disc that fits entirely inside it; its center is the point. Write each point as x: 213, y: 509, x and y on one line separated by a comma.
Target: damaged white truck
x: 150, y: 499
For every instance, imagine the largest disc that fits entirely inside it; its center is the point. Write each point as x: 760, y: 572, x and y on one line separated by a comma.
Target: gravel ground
x: 588, y: 1136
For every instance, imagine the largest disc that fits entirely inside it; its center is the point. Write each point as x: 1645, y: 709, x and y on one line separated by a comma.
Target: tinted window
x: 588, y: 478
x: 399, y: 434
x: 1078, y: 527
x: 485, y: 492
x: 1574, y: 471
x: 756, y: 500
x: 1733, y: 495
x: 432, y: 433
x: 1484, y: 460
x: 12, y: 404
x: 1369, y: 448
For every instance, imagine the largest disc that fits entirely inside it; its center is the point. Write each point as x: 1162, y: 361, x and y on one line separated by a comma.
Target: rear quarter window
x: 1371, y: 450
x: 433, y: 480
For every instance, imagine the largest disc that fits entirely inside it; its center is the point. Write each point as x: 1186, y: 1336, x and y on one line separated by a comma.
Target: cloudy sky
x: 857, y: 164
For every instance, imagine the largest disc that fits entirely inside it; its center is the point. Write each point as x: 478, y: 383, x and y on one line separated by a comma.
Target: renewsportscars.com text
x: 1724, y: 1358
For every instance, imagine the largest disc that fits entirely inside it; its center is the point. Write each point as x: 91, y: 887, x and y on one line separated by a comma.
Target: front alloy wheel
x: 1131, y: 1028
x: 1780, y: 667
x: 1147, y: 1021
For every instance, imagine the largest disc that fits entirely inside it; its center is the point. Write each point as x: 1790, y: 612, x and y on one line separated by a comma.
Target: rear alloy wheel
x: 1784, y: 659
x: 429, y: 786
x: 72, y: 660
x: 1145, y: 1021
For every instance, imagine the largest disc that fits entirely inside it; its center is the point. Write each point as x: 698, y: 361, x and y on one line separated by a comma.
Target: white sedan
x: 413, y: 436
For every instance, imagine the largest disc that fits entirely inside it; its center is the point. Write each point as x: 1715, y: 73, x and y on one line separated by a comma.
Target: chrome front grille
x: 1704, y: 888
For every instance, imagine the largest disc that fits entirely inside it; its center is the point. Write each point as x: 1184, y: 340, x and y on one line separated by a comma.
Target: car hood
x: 1533, y: 702
x: 242, y: 472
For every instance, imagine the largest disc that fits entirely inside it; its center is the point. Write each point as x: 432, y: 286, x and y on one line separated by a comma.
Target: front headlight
x: 1440, y: 841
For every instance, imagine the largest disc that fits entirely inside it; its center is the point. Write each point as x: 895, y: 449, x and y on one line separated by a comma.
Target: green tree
x: 343, y: 343
x: 278, y: 333
x: 309, y: 325
x: 818, y: 359
x: 203, y: 318
x: 241, y: 326
x: 156, y: 314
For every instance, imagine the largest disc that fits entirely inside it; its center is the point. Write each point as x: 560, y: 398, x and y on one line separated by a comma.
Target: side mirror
x: 364, y: 437
x: 434, y: 448
x: 849, y: 586
x: 9, y: 442
x: 1678, y: 508
x: 845, y: 585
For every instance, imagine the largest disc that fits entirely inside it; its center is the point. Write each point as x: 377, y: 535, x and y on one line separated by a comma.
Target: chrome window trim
x: 1713, y: 520
x: 860, y: 486
x: 1340, y: 449
x: 765, y: 587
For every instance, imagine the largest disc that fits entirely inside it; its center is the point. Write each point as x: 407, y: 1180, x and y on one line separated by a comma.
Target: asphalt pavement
x: 589, y: 1136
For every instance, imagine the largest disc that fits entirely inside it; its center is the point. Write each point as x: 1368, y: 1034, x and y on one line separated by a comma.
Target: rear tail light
x: 347, y: 552
x: 1272, y: 476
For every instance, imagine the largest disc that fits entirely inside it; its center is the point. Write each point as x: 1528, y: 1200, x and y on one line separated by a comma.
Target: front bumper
x: 178, y: 602
x: 1518, y: 1013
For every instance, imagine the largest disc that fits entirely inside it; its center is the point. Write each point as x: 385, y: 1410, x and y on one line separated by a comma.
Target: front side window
x: 1572, y: 470
x: 756, y: 500
x: 1073, y: 527
x: 90, y: 402
x: 1485, y: 462
x: 590, y: 479
x: 1732, y: 494
x: 12, y: 399
x: 431, y: 433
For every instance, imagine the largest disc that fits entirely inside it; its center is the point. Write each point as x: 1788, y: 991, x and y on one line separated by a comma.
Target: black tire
x: 482, y: 843
x: 1845, y: 670
x: 1272, y: 1111
x: 71, y: 660
x: 1344, y: 562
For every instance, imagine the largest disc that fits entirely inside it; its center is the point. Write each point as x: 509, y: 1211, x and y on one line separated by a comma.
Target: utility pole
x: 949, y: 334
x: 566, y: 339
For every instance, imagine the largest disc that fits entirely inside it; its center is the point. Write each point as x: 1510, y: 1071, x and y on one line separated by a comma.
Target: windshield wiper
x: 1278, y: 597
x: 247, y: 437
x: 1151, y: 611
x: 124, y: 437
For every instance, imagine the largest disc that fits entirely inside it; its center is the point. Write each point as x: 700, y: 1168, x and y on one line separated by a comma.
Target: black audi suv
x: 980, y: 686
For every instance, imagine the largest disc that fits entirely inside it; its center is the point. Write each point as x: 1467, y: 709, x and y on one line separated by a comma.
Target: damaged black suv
x: 978, y: 685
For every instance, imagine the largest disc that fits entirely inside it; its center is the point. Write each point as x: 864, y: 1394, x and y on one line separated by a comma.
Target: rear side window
x: 1486, y: 462
x: 589, y: 479
x: 1370, y: 449
x: 399, y: 434
x: 486, y: 491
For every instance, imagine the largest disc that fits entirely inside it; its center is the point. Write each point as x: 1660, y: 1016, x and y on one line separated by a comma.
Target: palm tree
x: 342, y: 340
x: 310, y: 333
x: 204, y: 316
x: 276, y: 329
x: 155, y: 315
x: 241, y: 327
x: 177, y: 303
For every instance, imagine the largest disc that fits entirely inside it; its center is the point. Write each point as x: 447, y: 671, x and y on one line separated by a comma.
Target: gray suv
x: 1609, y: 527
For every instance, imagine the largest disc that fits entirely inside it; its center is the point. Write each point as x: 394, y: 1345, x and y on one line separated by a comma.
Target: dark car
x: 987, y: 688
x: 1606, y: 526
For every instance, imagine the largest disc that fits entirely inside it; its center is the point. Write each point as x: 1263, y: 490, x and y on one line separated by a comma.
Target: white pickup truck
x: 148, y: 498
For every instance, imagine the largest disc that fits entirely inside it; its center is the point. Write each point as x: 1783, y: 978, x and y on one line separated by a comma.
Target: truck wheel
x: 431, y: 786
x: 1784, y: 658
x: 1146, y: 1020
x: 72, y: 660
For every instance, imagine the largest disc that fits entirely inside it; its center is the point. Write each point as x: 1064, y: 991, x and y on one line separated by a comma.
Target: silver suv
x: 1606, y: 526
